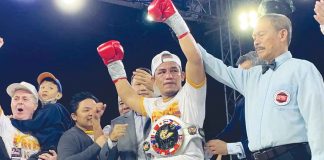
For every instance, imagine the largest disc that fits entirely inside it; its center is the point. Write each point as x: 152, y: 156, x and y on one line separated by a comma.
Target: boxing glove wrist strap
x: 178, y: 25
x: 116, y: 70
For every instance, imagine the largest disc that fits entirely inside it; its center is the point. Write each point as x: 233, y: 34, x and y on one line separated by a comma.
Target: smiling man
x: 283, y: 99
x: 85, y: 140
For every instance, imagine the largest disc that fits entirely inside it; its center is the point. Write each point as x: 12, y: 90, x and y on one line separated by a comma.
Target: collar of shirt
x: 137, y: 114
x: 282, y: 58
x: 128, y: 114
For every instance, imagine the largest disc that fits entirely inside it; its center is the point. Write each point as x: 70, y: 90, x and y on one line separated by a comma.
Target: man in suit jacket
x: 234, y: 131
x: 129, y: 147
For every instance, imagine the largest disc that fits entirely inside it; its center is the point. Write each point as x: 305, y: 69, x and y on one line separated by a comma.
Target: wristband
x: 116, y: 70
x: 178, y: 25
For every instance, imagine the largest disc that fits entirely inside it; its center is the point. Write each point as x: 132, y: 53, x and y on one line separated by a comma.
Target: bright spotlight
x: 70, y: 6
x: 248, y: 19
x: 253, y: 18
x: 243, y: 23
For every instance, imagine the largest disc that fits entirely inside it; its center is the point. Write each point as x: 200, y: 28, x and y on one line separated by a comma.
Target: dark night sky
x: 38, y: 37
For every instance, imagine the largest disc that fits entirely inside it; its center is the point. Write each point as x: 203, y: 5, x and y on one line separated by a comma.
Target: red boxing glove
x: 165, y: 11
x: 160, y: 10
x: 111, y: 51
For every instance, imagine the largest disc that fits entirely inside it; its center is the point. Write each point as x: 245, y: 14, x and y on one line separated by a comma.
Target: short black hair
x: 250, y: 56
x: 77, y: 98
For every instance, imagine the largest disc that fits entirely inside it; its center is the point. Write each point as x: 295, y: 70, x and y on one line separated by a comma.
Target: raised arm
x: 1, y: 42
x: 194, y: 68
x: 165, y: 11
x: 232, y: 77
x: 319, y: 10
x: 112, y: 54
x: 97, y: 112
x: 41, y: 119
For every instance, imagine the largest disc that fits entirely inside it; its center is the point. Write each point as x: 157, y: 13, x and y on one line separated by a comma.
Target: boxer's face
x: 168, y: 77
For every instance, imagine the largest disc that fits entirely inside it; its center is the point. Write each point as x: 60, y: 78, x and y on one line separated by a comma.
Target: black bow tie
x: 265, y: 67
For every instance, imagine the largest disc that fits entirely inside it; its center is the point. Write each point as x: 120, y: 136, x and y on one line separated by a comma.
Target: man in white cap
x: 52, y: 119
x: 24, y: 102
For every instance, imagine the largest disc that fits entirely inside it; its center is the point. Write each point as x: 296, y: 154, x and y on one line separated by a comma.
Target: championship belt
x: 170, y: 136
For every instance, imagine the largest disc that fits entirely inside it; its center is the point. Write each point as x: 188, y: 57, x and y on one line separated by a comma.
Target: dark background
x: 38, y: 37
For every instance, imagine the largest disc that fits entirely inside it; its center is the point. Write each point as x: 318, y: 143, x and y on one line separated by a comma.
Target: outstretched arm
x: 112, y: 54
x: 194, y: 68
x: 165, y: 11
x: 43, y: 118
x: 97, y: 112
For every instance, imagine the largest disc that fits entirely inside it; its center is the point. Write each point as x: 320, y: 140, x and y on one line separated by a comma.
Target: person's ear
x: 183, y: 76
x: 283, y: 35
x: 36, y: 105
x: 59, y: 95
x: 73, y: 116
x: 153, y: 79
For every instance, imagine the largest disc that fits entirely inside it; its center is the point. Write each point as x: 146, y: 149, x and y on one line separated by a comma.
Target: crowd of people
x: 280, y: 116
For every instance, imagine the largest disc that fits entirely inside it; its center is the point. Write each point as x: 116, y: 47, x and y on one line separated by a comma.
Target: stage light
x: 70, y: 6
x: 243, y: 23
x: 247, y: 19
x: 253, y: 17
x: 284, y: 7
